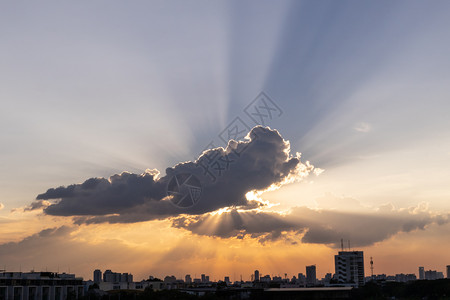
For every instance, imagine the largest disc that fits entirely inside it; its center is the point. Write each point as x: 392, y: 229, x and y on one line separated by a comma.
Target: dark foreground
x: 420, y: 289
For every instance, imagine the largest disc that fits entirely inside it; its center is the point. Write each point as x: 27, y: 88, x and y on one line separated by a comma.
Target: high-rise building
x: 349, y: 267
x: 448, y: 272
x: 110, y: 276
x: 227, y: 280
x: 256, y: 277
x: 97, y: 276
x: 188, y: 278
x: 421, y: 273
x: 311, y: 275
x: 433, y: 275
x: 301, y: 279
x: 203, y: 278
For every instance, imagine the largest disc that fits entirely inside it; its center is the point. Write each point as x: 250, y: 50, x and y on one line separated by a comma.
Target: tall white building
x: 349, y: 267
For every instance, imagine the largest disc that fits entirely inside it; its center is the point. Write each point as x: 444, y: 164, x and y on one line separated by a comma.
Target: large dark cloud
x: 261, y: 161
x: 323, y: 226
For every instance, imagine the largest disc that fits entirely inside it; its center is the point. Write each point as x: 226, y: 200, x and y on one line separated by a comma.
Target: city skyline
x: 308, y: 276
x: 222, y: 138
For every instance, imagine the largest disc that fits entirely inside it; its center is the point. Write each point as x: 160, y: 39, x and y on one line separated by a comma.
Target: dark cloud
x: 312, y: 226
x: 255, y: 164
x: 38, y: 204
x: 35, y: 244
x: 261, y: 225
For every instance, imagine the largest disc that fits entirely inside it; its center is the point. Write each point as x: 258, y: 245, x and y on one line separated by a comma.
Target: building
x: 301, y: 279
x: 188, y: 278
x: 114, y: 277
x: 40, y: 286
x: 405, y: 277
x: 170, y: 279
x: 311, y: 275
x: 227, y: 280
x: 448, y: 272
x: 433, y: 275
x: 203, y: 278
x: 349, y: 267
x: 421, y: 273
x: 97, y: 276
x: 256, y: 275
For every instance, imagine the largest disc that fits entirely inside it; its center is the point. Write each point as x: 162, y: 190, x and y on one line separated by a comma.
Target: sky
x: 295, y: 124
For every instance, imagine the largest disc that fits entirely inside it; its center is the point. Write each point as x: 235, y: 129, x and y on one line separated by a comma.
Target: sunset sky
x: 102, y: 103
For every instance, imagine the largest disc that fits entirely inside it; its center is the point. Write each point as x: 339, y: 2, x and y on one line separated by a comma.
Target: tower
x: 371, y: 267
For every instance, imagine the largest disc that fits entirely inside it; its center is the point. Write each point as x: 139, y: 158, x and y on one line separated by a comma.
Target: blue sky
x: 93, y: 89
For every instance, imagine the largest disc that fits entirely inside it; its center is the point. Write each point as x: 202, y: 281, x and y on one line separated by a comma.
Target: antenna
x: 371, y: 266
x: 348, y: 245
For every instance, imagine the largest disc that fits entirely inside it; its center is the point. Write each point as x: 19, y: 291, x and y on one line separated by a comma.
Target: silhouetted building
x: 188, y: 278
x: 448, y: 272
x: 227, y: 280
x: 405, y: 277
x: 433, y: 275
x: 421, y: 273
x: 256, y: 275
x: 110, y: 276
x: 97, y: 276
x: 277, y: 279
x: 349, y: 267
x: 301, y: 279
x: 327, y: 278
x: 170, y: 279
x: 311, y: 275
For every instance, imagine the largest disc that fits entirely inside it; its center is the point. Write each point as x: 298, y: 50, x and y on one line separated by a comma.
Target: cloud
x: 1, y: 206
x: 262, y: 161
x: 261, y: 225
x: 362, y: 127
x: 65, y: 246
x: 323, y: 226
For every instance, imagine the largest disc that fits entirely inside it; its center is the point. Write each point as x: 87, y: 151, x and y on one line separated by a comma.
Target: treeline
x: 419, y: 289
